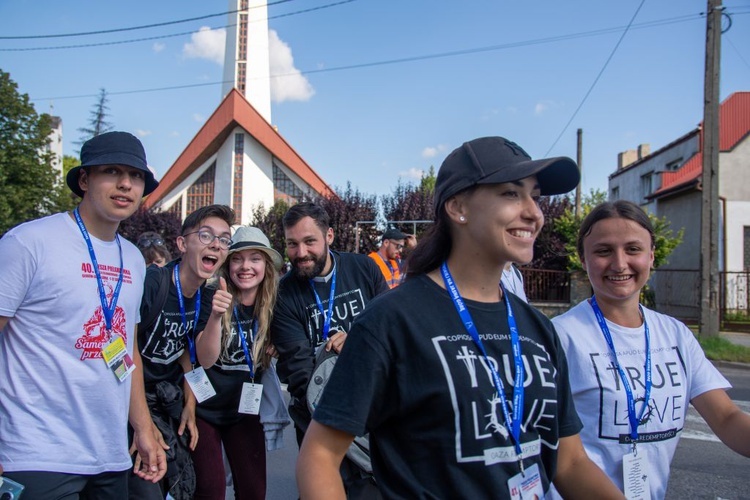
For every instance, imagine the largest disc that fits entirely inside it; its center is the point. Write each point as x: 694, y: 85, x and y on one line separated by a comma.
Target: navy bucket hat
x: 493, y: 160
x: 112, y: 148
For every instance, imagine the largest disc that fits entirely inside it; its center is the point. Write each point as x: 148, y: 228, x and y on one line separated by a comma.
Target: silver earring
x: 462, y: 218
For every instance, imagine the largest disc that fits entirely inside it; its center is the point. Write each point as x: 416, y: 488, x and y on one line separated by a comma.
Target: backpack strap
x: 151, y: 310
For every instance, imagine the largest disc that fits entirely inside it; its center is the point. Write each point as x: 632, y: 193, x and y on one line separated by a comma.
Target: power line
x: 402, y: 60
x: 172, y: 35
x: 591, y: 88
x: 510, y: 45
x: 133, y: 28
x: 139, y: 91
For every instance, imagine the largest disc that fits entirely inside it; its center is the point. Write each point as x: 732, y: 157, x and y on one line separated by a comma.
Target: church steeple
x: 246, y: 58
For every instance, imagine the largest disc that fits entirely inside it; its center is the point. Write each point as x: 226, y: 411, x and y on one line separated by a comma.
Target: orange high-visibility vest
x: 389, y: 268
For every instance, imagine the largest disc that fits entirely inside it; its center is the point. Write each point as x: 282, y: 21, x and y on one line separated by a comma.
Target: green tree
x: 568, y: 226
x: 69, y: 162
x: 98, y: 119
x: 345, y: 211
x: 269, y: 221
x: 167, y: 224
x: 29, y: 186
x: 410, y: 202
x: 427, y: 183
x: 549, y: 248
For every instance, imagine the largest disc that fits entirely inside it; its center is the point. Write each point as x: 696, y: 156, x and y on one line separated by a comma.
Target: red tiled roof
x: 734, y: 126
x: 234, y: 111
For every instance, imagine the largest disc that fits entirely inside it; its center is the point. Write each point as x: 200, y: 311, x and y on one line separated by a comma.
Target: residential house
x: 667, y: 183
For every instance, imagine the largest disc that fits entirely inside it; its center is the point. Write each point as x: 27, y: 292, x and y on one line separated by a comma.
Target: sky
x: 374, y: 93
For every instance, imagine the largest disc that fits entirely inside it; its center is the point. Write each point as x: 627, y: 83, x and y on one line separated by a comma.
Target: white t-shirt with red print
x: 61, y: 408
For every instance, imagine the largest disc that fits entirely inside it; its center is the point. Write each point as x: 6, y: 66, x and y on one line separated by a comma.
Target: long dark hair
x: 435, y: 246
x: 620, y: 209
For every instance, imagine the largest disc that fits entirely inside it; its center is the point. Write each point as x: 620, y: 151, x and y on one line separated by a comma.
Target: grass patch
x: 719, y: 349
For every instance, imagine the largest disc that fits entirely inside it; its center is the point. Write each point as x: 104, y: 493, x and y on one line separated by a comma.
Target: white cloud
x: 206, y: 44
x: 432, y: 152
x: 543, y: 106
x: 158, y: 47
x: 198, y: 117
x: 142, y: 133
x: 174, y: 133
x: 412, y: 173
x: 287, y: 82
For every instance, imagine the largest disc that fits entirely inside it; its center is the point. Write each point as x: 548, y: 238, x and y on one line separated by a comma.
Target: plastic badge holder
x: 9, y: 489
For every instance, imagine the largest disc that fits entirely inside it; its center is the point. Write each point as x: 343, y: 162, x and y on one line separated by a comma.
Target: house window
x: 615, y: 194
x: 284, y: 188
x: 201, y: 193
x: 746, y: 248
x: 674, y: 165
x: 647, y: 184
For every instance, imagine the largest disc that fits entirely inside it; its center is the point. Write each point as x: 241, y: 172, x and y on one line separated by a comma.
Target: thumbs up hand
x: 222, y: 299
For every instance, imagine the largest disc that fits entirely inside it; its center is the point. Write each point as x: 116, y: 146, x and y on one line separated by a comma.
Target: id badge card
x: 250, y: 399
x: 526, y: 486
x: 199, y: 384
x: 10, y: 489
x: 115, y: 354
x: 635, y: 474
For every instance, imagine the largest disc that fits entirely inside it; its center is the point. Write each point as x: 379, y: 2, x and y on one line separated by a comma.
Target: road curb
x: 730, y: 364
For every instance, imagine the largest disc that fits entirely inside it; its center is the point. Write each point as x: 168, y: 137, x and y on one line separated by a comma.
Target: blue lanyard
x: 326, y: 315
x: 254, y: 329
x: 512, y: 424
x: 632, y: 417
x: 108, y: 310
x: 190, y: 338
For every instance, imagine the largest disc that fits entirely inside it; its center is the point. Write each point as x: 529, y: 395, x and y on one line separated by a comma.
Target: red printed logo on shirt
x: 96, y: 335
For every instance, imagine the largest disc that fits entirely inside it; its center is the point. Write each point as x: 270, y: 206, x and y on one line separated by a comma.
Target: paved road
x: 703, y: 467
x: 280, y: 467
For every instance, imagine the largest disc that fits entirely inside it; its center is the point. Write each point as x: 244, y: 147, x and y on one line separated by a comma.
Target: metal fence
x: 734, y: 298
x: 676, y: 292
x: 542, y: 285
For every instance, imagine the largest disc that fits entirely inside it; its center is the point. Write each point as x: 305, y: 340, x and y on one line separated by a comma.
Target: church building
x: 238, y: 158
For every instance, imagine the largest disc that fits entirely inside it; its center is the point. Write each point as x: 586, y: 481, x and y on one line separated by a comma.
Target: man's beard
x: 317, y: 268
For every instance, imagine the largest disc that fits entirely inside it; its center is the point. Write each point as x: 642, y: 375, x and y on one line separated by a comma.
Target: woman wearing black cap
x: 463, y: 387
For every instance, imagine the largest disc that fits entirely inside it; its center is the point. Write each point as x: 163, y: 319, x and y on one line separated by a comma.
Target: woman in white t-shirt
x: 622, y: 354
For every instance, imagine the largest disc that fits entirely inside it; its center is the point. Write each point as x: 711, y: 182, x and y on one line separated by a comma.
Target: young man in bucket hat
x: 70, y: 374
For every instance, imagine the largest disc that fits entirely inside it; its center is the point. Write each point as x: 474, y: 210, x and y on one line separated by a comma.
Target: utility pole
x: 579, y: 159
x: 709, y: 321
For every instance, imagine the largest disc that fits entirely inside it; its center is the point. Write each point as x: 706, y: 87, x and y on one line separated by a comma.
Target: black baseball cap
x: 493, y: 160
x: 112, y: 148
x: 393, y: 234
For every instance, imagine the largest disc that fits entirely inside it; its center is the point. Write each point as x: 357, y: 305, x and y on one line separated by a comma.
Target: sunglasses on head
x: 147, y: 242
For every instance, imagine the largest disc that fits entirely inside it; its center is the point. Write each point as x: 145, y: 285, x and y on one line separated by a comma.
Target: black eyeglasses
x: 147, y: 242
x: 206, y: 237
